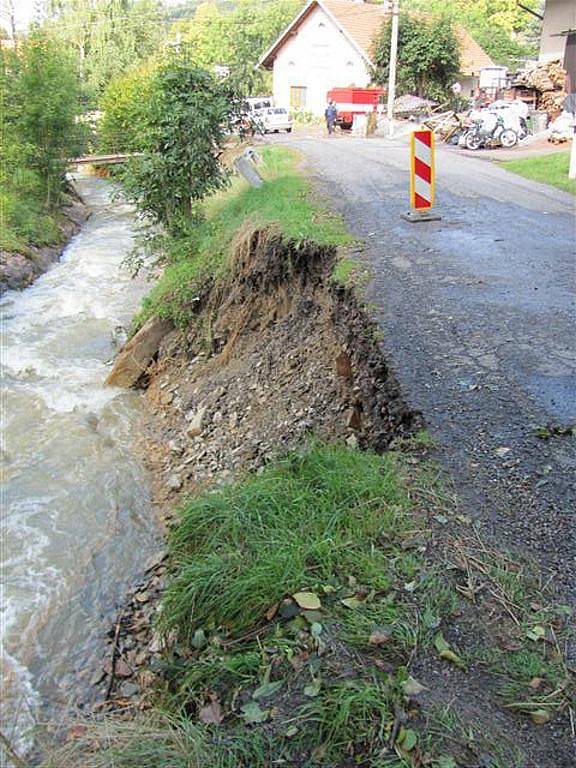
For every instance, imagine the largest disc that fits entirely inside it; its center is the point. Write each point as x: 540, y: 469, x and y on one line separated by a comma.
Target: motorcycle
x: 482, y: 135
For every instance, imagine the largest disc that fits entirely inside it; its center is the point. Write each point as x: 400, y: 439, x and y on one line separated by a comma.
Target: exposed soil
x: 279, y: 354
x: 19, y: 270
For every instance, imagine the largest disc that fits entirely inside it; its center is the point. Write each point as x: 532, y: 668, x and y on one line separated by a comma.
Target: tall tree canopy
x: 237, y: 38
x: 428, y: 55
x: 505, y: 30
x: 107, y: 36
x: 40, y: 93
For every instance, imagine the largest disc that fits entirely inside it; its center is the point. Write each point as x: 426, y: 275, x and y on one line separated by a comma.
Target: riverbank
x: 323, y: 598
x: 26, y: 260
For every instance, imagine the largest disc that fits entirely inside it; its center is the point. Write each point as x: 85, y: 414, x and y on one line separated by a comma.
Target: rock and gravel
x: 477, y: 317
x: 290, y: 357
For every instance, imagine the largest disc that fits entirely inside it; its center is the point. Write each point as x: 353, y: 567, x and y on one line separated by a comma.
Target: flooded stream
x: 77, y: 524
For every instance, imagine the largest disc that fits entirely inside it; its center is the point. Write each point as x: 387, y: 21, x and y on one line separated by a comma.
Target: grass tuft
x: 551, y: 168
x: 328, y: 514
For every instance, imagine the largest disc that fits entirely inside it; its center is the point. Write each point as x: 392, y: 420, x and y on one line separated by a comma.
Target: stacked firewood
x: 549, y: 79
x: 552, y: 103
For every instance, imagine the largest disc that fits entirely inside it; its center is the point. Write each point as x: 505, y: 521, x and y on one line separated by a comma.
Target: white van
x: 257, y: 103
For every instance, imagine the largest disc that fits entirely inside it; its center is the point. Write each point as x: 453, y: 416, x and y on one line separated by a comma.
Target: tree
x: 505, y: 30
x: 237, y: 38
x: 107, y: 36
x: 124, y: 105
x: 183, y: 127
x: 41, y: 118
x: 428, y: 56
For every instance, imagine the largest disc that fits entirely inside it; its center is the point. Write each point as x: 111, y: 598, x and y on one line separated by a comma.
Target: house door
x: 298, y: 96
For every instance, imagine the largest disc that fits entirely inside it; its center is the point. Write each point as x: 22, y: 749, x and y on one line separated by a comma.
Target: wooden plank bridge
x: 101, y: 159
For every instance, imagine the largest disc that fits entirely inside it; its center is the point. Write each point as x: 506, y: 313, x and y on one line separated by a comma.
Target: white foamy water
x: 76, y: 519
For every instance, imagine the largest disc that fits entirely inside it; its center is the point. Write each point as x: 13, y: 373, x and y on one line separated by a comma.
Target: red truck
x: 355, y: 101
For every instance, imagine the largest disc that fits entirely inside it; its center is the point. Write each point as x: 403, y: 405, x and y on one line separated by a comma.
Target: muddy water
x: 77, y: 524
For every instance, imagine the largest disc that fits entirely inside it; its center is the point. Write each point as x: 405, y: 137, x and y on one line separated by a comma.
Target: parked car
x: 275, y: 119
x: 256, y: 103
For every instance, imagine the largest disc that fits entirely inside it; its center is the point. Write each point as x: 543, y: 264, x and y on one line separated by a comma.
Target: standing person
x: 330, y: 114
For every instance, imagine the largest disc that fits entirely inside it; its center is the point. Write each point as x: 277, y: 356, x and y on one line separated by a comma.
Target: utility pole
x: 392, y: 72
x: 572, y: 169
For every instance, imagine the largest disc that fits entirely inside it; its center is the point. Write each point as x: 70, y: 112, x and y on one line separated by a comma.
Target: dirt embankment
x: 278, y: 354
x: 19, y: 270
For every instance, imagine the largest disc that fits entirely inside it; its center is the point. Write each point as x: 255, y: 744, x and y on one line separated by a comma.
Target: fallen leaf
x: 266, y: 690
x: 412, y: 687
x: 440, y: 643
x: 411, y: 586
x: 313, y: 617
x: 308, y: 600
x: 312, y: 690
x: 351, y: 602
x: 76, y: 732
x: 451, y: 656
x: 410, y: 740
x: 380, y: 636
x: 199, y: 639
x: 540, y: 716
x: 252, y: 713
x: 535, y: 683
x: 318, y: 753
x: 288, y: 609
x: 272, y: 611
x: 316, y: 629
x: 508, y: 643
x: 536, y: 633
x: 445, y: 651
x: 211, y: 713
x: 291, y: 731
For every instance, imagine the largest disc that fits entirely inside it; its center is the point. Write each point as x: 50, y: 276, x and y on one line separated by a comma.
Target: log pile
x: 552, y: 103
x: 548, y: 78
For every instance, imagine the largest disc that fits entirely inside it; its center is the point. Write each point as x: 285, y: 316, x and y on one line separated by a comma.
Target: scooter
x: 499, y: 136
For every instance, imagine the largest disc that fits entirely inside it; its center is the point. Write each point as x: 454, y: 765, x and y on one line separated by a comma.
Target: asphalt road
x: 479, y: 319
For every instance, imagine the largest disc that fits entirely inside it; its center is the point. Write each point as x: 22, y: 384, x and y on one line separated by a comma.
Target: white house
x: 558, y: 39
x: 328, y: 45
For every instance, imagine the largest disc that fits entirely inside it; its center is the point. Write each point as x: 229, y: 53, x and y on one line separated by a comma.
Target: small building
x: 328, y: 45
x: 558, y: 39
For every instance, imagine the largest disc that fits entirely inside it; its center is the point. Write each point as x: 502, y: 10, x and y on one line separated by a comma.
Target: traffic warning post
x: 421, y: 177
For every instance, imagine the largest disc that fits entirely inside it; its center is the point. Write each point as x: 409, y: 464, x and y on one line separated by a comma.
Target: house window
x: 297, y: 96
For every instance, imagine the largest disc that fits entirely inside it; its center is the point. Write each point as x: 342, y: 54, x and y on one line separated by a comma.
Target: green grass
x: 325, y: 684
x: 315, y: 519
x: 550, y: 169
x: 24, y: 223
x: 285, y: 200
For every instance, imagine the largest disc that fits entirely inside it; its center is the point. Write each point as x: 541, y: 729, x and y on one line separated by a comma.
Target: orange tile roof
x: 362, y: 21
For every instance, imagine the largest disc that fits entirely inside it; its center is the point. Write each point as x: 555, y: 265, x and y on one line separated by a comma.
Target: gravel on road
x: 478, y: 318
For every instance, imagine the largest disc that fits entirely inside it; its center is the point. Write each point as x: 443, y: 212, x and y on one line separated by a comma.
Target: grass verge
x: 194, y: 261
x: 304, y: 606
x: 25, y: 223
x: 550, y: 169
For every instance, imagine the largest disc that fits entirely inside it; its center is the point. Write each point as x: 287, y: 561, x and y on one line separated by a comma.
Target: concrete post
x: 392, y: 72
x: 572, y: 171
